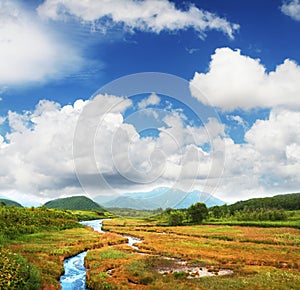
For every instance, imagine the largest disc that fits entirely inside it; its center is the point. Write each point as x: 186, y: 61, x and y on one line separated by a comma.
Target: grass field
x: 256, y: 257
x: 35, y: 241
x: 47, y: 250
x: 260, y: 258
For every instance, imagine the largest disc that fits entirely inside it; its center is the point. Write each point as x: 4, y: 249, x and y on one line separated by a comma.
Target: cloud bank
x: 38, y: 155
x: 148, y: 15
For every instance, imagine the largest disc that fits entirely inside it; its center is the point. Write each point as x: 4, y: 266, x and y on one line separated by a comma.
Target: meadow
x: 35, y: 241
x: 259, y: 257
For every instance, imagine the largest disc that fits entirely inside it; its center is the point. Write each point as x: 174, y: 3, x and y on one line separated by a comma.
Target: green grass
x: 113, y: 254
x: 267, y: 224
x: 39, y: 239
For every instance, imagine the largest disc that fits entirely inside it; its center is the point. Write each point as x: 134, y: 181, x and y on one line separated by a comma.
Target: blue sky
x: 239, y: 66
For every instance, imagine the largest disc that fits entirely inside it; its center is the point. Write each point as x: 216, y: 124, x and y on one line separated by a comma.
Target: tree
x: 175, y: 218
x: 216, y: 211
x: 197, y: 212
x: 168, y: 210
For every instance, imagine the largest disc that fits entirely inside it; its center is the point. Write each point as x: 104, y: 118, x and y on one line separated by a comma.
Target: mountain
x: 9, y: 202
x: 162, y: 197
x: 198, y: 196
x: 74, y: 203
x: 283, y: 201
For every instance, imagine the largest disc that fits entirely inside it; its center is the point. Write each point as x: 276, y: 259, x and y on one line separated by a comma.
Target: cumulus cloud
x: 29, y: 52
x: 271, y: 137
x: 152, y: 100
x: 88, y: 147
x: 237, y: 81
x: 148, y: 15
x: 268, y: 161
x: 239, y: 120
x: 119, y: 151
x: 38, y: 151
x: 49, y: 148
x: 2, y: 120
x: 292, y: 9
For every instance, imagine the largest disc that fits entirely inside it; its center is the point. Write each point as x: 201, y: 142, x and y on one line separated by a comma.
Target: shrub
x: 175, y: 218
x: 16, y: 273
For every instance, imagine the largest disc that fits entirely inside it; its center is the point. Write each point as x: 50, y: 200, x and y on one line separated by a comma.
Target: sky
x: 112, y: 96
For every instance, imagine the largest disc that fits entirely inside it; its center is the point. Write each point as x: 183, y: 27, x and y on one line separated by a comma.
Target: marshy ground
x: 171, y: 257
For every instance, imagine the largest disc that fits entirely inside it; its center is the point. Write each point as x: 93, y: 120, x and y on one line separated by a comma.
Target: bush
x: 16, y: 273
x: 180, y: 274
x: 175, y: 218
x: 260, y: 215
x: 15, y: 222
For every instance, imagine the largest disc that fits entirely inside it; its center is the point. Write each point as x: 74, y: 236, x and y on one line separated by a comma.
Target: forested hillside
x: 8, y: 202
x: 283, y: 201
x: 74, y: 203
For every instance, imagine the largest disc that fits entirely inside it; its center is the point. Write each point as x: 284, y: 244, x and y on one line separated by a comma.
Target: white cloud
x: 239, y: 120
x: 29, y: 52
x: 291, y: 8
x: 148, y: 15
x: 293, y: 153
x: 271, y: 137
x: 237, y: 81
x: 2, y: 120
x: 37, y: 156
x: 269, y: 160
x: 152, y: 100
x: 49, y: 146
x: 236, y: 118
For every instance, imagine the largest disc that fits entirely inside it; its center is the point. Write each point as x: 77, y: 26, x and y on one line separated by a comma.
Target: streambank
x: 74, y: 277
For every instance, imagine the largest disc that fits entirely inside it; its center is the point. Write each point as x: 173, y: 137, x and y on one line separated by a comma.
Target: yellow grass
x: 261, y: 258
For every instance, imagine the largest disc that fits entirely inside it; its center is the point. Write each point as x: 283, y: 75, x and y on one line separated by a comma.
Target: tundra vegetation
x: 35, y: 241
x: 259, y: 243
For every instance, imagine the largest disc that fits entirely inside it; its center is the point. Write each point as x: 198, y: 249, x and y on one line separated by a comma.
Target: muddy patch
x: 182, y: 269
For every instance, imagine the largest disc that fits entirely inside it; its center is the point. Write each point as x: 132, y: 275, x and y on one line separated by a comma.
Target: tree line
x: 198, y: 212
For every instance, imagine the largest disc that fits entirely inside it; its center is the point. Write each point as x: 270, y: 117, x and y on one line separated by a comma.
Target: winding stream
x: 74, y: 277
x: 75, y: 273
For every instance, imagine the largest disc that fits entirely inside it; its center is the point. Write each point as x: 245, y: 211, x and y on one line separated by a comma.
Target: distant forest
x: 283, y: 201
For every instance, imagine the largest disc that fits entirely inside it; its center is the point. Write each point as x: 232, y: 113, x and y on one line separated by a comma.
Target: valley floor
x: 254, y: 257
x: 169, y: 257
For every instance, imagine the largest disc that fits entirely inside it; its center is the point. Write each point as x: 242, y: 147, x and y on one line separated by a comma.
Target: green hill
x: 283, y: 201
x: 74, y: 203
x: 9, y: 202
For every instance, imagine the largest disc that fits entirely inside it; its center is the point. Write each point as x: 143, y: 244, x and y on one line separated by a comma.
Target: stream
x: 74, y: 277
x: 75, y: 273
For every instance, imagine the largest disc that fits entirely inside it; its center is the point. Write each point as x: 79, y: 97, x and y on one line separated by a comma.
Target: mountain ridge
x: 162, y: 197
